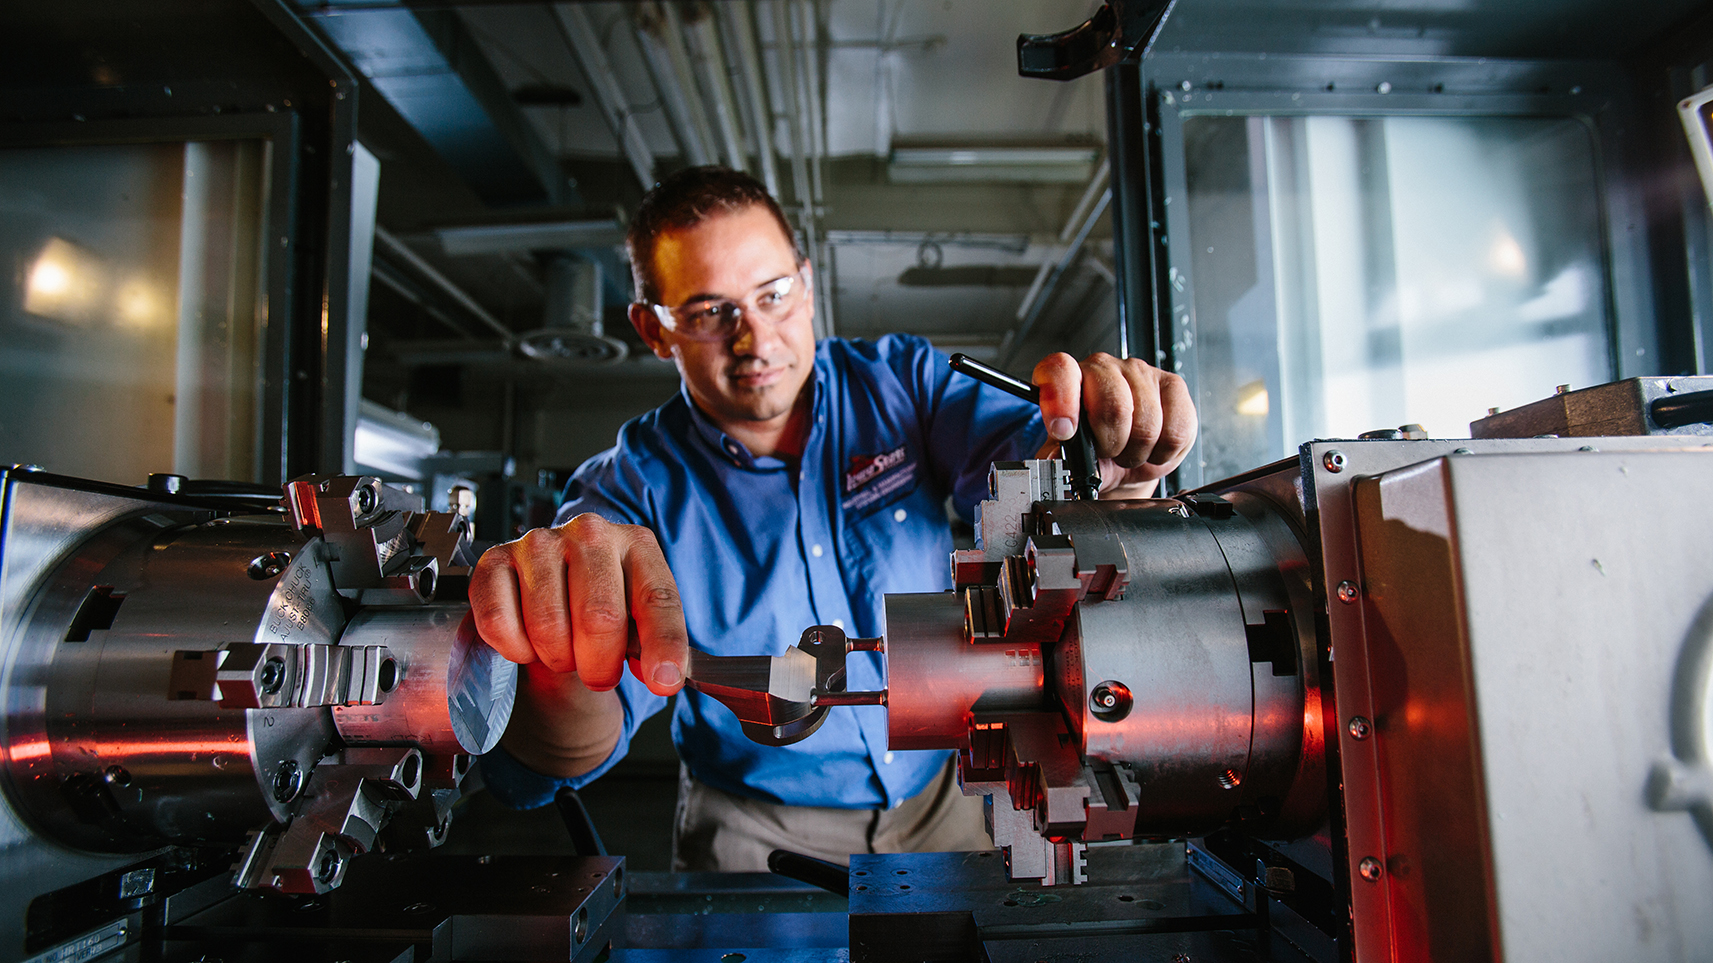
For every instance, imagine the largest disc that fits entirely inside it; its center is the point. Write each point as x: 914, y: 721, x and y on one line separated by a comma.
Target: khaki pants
x: 719, y: 832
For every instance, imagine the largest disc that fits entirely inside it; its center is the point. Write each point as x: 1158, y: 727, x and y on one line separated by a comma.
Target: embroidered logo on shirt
x: 873, y: 477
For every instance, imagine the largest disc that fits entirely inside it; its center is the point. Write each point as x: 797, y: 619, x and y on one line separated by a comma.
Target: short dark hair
x: 685, y: 199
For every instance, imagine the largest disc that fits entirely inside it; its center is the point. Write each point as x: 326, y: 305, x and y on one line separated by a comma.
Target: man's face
x: 757, y: 373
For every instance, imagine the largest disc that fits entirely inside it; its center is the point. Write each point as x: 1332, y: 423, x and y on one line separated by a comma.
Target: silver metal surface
x: 1524, y: 652
x: 1327, y: 498
x: 171, y: 677
x: 454, y: 693
x: 42, y: 526
x: 1117, y: 669
x: 153, y: 766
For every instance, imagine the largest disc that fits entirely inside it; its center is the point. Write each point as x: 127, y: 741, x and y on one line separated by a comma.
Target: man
x: 789, y: 484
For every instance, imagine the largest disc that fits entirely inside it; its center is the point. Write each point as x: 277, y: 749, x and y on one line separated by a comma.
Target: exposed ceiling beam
x: 649, y: 23
x: 705, y: 53
x: 738, y: 24
x: 426, y: 65
x: 580, y: 35
x: 396, y: 250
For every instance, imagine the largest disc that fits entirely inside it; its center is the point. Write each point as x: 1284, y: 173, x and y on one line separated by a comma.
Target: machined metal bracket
x: 253, y: 675
x: 384, y: 549
x: 782, y: 699
x: 345, y: 805
x: 1117, y: 31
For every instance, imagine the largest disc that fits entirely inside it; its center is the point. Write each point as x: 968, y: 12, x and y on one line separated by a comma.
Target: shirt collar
x: 736, y: 451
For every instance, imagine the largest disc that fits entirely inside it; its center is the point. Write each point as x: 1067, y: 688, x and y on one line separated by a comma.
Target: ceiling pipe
x: 1015, y: 343
x: 737, y: 23
x: 671, y: 37
x: 813, y: 91
x: 804, y: 175
x: 581, y: 37
x: 394, y: 249
x: 787, y: 106
x: 391, y: 278
x: 1096, y: 184
x: 814, y: 94
x: 705, y: 52
x: 649, y: 22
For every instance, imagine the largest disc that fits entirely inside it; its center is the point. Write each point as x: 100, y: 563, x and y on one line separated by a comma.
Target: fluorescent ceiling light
x: 1067, y: 165
x: 549, y: 235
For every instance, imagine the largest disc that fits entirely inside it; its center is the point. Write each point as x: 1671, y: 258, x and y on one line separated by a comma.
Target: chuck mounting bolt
x: 273, y: 675
x: 288, y: 779
x: 1103, y: 697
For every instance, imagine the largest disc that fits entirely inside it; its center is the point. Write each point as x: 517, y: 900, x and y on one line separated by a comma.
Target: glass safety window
x: 1355, y: 273
x: 131, y: 339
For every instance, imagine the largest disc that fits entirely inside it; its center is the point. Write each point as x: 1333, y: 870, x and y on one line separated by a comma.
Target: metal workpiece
x: 936, y: 677
x: 454, y: 693
x: 782, y: 699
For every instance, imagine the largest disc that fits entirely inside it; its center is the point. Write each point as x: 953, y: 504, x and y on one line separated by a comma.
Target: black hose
x: 807, y: 869
x: 584, y: 839
x: 1676, y: 411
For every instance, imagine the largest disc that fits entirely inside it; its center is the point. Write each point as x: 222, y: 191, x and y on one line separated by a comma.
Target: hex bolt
x: 1359, y: 728
x: 266, y: 566
x: 1348, y: 593
x: 1333, y: 460
x: 273, y: 675
x: 1103, y: 697
x: 1370, y: 869
x: 288, y: 779
x: 329, y: 865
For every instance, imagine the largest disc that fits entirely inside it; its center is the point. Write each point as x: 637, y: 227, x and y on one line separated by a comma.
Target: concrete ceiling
x: 510, y: 114
x: 466, y: 101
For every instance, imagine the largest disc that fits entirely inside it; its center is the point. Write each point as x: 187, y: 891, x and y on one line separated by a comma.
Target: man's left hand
x: 1141, y: 419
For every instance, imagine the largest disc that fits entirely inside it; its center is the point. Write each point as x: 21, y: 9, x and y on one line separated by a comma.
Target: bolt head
x: 1359, y: 728
x: 288, y: 779
x: 1370, y: 868
x: 1333, y: 460
x: 273, y: 675
x: 1348, y: 593
x: 329, y: 865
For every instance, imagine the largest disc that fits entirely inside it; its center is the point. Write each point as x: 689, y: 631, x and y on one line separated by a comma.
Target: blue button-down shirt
x: 762, y: 551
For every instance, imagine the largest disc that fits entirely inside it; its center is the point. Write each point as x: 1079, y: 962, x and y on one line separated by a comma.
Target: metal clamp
x: 782, y: 699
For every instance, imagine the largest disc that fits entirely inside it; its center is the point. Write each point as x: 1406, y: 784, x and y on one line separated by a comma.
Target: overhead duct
x: 572, y: 320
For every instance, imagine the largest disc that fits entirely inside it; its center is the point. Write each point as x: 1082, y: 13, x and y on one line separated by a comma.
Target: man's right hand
x: 566, y: 604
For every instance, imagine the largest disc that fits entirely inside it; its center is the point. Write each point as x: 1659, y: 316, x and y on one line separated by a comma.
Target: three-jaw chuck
x: 1117, y: 669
